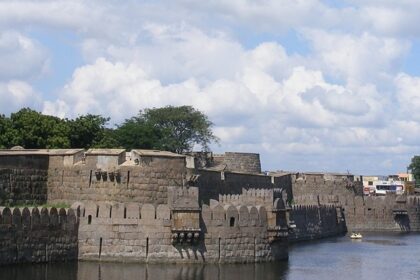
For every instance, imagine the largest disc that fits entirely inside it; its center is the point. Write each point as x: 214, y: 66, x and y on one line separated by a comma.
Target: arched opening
x: 232, y: 221
x: 89, y: 219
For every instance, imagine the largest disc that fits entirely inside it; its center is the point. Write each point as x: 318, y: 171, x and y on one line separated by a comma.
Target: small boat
x: 356, y: 236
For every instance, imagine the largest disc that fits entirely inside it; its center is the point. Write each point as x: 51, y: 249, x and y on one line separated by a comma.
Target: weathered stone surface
x: 147, y: 207
x: 23, y: 238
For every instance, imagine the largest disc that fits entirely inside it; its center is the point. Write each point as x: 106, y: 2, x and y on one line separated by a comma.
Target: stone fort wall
x: 361, y: 213
x: 110, y: 177
x: 240, y: 162
x: 316, y: 221
x: 212, y: 183
x: 23, y: 179
x: 148, y: 206
x: 127, y: 183
x: 229, y: 161
x: 343, y: 186
x: 148, y: 234
x: 383, y: 213
x: 32, y: 235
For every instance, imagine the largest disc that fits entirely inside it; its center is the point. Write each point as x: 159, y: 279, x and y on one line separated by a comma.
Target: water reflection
x: 113, y: 271
x: 62, y: 271
x: 118, y: 271
x: 386, y: 242
x: 377, y: 256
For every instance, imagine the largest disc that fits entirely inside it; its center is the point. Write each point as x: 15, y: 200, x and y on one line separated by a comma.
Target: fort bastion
x: 151, y: 206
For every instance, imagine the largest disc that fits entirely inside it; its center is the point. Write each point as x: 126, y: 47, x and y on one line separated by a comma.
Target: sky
x: 311, y: 85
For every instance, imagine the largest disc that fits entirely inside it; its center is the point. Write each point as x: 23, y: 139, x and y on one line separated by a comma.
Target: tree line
x: 176, y: 129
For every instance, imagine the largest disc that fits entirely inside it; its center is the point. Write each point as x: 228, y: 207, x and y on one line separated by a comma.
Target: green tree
x: 414, y: 167
x: 137, y: 133
x: 180, y: 127
x: 33, y: 130
x: 7, y: 134
x: 109, y: 140
x: 87, y: 131
x: 175, y: 129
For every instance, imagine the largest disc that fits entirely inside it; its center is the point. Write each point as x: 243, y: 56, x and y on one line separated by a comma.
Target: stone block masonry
x: 229, y: 161
x: 316, y: 221
x: 395, y: 213
x: 144, y: 179
x: 23, y: 178
x: 383, y: 213
x: 226, y: 233
x: 147, y: 206
x: 32, y: 235
x: 240, y: 162
x: 212, y: 183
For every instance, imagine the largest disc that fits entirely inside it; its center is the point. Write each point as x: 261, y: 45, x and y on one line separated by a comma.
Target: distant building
x: 381, y: 185
x: 405, y: 177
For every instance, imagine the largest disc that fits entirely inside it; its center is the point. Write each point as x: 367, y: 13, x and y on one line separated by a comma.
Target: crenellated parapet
x: 231, y: 216
x: 317, y: 199
x: 28, y: 218
x: 29, y: 235
x: 141, y: 232
x: 123, y: 213
x: 272, y: 212
x: 249, y: 197
x: 244, y: 233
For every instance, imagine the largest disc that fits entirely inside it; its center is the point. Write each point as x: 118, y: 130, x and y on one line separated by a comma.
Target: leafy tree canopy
x: 7, y: 135
x: 35, y: 130
x: 414, y: 167
x: 180, y: 128
x: 137, y: 133
x: 175, y: 129
x: 87, y: 131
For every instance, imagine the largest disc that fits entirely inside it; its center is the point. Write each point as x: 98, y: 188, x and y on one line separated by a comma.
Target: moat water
x: 377, y: 256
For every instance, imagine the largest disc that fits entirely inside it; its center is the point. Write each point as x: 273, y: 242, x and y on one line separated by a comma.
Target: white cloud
x: 267, y: 15
x: 320, y: 108
x: 408, y: 96
x: 384, y: 17
x: 17, y: 94
x: 357, y: 59
x: 298, y: 112
x: 21, y: 57
x: 174, y: 53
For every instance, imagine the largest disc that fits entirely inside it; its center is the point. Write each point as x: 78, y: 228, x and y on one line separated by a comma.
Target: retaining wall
x: 32, y: 235
x: 145, y: 234
x: 315, y: 222
x: 384, y: 213
x: 23, y: 179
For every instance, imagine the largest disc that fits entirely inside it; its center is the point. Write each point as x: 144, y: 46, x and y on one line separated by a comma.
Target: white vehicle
x: 383, y: 187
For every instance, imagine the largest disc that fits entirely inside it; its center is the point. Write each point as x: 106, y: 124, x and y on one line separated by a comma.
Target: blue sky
x: 310, y: 85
